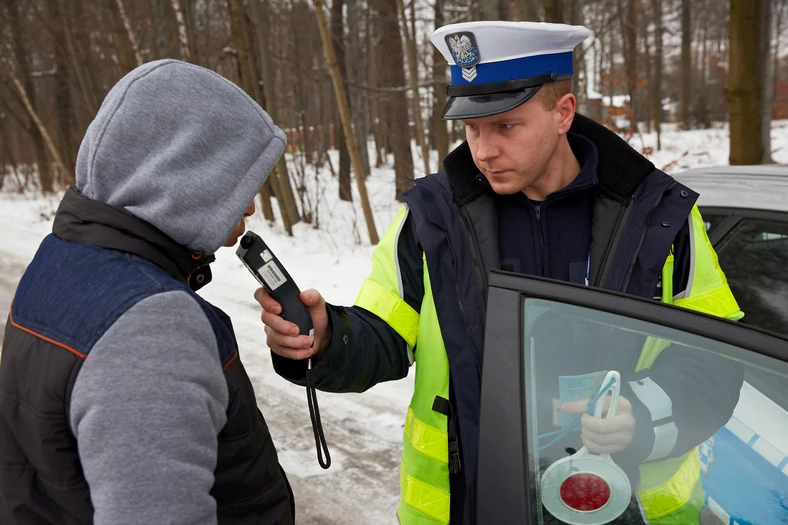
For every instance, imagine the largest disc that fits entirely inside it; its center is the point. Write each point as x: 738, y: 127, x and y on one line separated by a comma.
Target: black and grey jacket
x: 121, y: 387
x: 122, y: 395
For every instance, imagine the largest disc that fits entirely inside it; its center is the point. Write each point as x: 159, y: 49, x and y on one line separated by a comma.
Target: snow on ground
x: 682, y: 150
x: 363, y: 431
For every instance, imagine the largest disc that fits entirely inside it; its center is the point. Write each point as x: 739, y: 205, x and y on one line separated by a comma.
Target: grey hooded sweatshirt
x: 185, y: 150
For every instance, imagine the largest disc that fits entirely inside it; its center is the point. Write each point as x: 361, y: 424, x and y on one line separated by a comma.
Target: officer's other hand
x: 283, y: 336
x: 600, y: 435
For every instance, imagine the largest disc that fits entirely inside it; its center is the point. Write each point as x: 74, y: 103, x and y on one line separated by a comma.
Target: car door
x: 697, y: 408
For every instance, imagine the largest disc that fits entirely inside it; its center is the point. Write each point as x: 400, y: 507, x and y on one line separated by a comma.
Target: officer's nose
x: 486, y: 146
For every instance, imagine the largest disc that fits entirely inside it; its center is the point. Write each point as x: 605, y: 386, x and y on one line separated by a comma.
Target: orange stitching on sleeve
x: 233, y: 358
x: 47, y: 339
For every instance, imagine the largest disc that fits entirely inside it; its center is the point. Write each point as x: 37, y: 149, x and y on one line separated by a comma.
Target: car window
x: 754, y: 257
x: 696, y: 433
x: 712, y: 220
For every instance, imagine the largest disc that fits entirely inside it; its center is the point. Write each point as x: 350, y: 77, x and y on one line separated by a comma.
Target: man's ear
x: 565, y: 109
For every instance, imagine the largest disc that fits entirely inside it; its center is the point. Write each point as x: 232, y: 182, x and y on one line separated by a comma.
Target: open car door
x: 696, y: 437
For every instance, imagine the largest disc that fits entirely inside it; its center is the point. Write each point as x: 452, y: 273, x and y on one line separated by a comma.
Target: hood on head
x: 180, y: 147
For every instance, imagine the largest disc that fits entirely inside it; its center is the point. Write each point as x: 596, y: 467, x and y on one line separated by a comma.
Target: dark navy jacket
x: 638, y: 214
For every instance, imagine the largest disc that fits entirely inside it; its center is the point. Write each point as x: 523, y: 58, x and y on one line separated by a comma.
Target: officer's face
x: 516, y: 149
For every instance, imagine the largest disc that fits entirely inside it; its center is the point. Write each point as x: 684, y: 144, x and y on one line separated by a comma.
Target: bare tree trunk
x: 377, y: 103
x: 553, y: 11
x: 686, y: 63
x: 188, y: 15
x: 250, y: 85
x: 526, y: 11
x: 413, y: 75
x: 159, y: 21
x: 344, y: 112
x: 126, y: 59
x: 265, y: 202
x: 629, y: 35
x: 495, y: 9
x: 85, y: 89
x: 378, y: 122
x: 780, y: 7
x: 338, y: 36
x: 358, y: 74
x: 598, y: 64
x: 84, y: 51
x: 440, y: 133
x: 129, y: 32
x: 243, y: 51
x: 656, y: 87
x: 183, y: 34
x: 649, y: 73
x: 579, y: 60
x: 395, y: 107
x: 284, y: 191
x: 766, y: 47
x: 68, y: 174
x: 64, y: 103
x: 745, y: 88
x: 302, y: 79
x: 27, y: 94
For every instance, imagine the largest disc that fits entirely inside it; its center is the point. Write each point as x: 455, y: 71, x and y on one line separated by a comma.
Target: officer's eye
x: 505, y: 126
x: 471, y: 127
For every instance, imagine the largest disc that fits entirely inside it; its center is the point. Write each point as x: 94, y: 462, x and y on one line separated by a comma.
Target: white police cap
x: 497, y: 66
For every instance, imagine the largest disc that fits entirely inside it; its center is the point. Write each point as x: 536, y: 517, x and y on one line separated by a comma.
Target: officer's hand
x: 283, y: 336
x: 604, y: 436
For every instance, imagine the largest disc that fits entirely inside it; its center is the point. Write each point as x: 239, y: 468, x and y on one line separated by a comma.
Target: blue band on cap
x: 517, y: 68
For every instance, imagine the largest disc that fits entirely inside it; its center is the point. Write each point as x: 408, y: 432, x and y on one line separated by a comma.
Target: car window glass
x: 713, y: 220
x: 707, y: 439
x: 754, y: 257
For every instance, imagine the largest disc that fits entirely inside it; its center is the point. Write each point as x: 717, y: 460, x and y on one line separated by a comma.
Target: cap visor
x: 478, y: 106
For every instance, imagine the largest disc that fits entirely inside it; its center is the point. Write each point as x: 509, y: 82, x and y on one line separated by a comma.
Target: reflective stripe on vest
x: 707, y: 288
x: 670, y: 497
x: 423, y: 497
x: 426, y: 439
x: 382, y: 292
x: 391, y: 308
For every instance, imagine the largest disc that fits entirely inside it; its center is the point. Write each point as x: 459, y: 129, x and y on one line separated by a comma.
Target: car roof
x: 748, y: 187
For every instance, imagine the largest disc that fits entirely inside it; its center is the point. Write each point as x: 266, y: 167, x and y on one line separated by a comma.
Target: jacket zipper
x: 477, y: 265
x: 462, y: 309
x: 643, y: 234
x: 543, y: 252
x: 622, y: 223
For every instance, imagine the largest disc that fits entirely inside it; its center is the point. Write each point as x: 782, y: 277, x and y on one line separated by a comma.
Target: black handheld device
x: 271, y: 274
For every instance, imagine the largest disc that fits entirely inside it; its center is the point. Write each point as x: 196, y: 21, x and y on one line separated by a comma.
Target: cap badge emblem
x: 465, y: 52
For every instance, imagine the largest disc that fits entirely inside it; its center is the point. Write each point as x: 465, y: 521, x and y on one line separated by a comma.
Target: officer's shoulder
x: 434, y: 182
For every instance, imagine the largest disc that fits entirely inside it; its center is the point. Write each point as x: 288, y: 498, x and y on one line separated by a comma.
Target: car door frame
x: 503, y: 493
x: 735, y: 216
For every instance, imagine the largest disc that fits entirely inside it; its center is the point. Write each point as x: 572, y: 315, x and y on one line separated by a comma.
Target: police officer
x: 540, y: 190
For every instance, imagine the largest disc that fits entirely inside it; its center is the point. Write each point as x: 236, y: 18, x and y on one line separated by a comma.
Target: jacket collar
x: 620, y: 168
x: 83, y: 220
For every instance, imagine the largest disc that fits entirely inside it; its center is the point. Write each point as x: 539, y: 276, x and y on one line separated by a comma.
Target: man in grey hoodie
x: 122, y: 395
